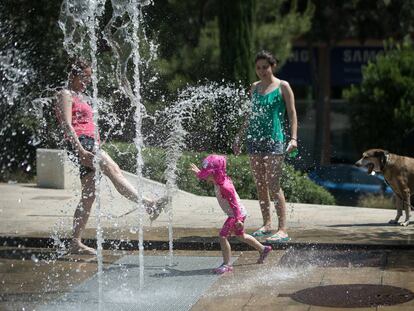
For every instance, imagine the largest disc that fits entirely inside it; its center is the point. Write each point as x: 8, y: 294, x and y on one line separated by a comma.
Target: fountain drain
x: 353, y: 295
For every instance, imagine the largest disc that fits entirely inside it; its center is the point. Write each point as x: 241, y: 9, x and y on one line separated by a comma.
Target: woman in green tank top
x: 271, y: 98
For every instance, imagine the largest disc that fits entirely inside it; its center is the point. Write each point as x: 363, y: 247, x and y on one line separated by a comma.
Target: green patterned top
x: 267, y: 116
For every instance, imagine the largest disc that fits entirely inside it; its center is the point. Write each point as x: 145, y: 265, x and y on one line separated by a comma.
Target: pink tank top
x: 82, y: 117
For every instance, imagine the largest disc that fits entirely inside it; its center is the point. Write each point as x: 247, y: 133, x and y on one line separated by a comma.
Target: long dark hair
x: 272, y: 60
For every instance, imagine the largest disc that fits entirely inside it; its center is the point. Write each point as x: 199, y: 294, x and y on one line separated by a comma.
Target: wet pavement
x: 273, y: 286
x: 33, y: 277
x: 330, y: 246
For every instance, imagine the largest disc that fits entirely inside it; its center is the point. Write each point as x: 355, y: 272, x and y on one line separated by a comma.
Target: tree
x: 383, y: 105
x: 337, y: 20
x: 30, y: 63
x: 235, y: 20
x: 279, y: 23
x: 194, y: 54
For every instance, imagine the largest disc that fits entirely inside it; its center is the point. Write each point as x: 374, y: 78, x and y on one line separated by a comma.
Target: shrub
x: 297, y: 186
x: 382, y: 109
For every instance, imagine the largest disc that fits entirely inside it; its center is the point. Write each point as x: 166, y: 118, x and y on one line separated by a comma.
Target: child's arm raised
x: 194, y: 168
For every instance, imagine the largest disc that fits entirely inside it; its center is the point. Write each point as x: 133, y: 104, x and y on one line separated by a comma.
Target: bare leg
x: 247, y: 238
x: 225, y: 249
x: 81, y: 216
x: 258, y: 168
x: 273, y: 174
x: 122, y: 185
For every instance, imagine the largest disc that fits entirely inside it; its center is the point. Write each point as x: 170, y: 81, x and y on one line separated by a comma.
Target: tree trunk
x: 322, y: 150
x: 236, y: 39
x: 236, y: 57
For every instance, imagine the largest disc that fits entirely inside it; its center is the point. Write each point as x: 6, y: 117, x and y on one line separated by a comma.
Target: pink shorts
x: 230, y: 226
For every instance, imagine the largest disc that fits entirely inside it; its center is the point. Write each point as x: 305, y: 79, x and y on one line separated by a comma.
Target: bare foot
x: 77, y: 247
x: 157, y: 208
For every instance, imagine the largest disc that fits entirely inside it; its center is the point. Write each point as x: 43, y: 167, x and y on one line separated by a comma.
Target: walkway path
x: 381, y: 254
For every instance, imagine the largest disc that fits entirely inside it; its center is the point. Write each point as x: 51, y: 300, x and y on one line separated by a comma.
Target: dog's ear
x: 379, y: 153
x: 382, y: 156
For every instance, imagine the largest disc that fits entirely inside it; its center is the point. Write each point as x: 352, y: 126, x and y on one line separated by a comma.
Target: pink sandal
x: 266, y: 251
x: 223, y: 269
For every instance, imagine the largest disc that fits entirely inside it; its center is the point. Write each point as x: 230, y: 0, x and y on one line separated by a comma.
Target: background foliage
x: 297, y: 186
x: 383, y: 105
x: 187, y: 36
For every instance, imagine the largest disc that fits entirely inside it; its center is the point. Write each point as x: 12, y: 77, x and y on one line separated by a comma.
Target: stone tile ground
x: 378, y: 253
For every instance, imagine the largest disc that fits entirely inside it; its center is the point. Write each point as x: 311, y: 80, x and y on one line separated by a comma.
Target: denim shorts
x: 265, y: 147
x: 88, y: 143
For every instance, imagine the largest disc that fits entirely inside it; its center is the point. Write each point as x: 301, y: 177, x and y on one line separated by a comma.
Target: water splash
x: 123, y: 34
x: 274, y: 277
x: 192, y: 101
x: 78, y: 21
x: 16, y: 106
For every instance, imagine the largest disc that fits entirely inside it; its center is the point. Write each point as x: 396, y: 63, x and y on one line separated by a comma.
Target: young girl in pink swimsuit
x: 214, y: 171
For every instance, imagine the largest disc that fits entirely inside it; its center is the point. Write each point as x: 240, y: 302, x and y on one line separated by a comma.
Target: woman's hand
x: 194, y: 168
x: 293, y: 144
x: 86, y: 158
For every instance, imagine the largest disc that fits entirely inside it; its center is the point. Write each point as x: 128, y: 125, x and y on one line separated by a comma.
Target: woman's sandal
x: 276, y: 238
x: 261, y: 233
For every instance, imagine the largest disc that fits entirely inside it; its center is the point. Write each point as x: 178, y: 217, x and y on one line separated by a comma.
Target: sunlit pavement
x: 368, y: 250
x: 269, y: 287
x: 28, y: 211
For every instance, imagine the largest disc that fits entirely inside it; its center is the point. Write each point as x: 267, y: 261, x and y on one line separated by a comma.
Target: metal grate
x: 165, y: 288
x: 353, y: 296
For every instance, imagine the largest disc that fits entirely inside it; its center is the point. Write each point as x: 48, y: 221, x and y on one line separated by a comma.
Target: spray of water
x: 192, y: 101
x: 79, y: 23
x: 16, y: 108
x: 123, y: 35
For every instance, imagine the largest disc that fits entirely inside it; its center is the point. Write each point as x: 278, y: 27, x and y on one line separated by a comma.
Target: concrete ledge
x: 193, y: 243
x: 54, y: 169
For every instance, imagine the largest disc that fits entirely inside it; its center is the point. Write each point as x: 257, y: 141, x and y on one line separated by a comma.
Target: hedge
x: 296, y: 185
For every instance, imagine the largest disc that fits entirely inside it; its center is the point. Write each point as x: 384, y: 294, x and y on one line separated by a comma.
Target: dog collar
x: 384, y: 160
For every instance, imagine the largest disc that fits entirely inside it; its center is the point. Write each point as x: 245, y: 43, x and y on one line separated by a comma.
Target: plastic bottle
x: 292, y: 154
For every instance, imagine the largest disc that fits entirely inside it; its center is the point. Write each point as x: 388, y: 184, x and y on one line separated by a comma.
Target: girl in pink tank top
x: 76, y: 117
x: 82, y: 117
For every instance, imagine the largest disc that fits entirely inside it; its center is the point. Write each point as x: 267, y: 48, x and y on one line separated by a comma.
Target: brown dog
x: 398, y: 171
